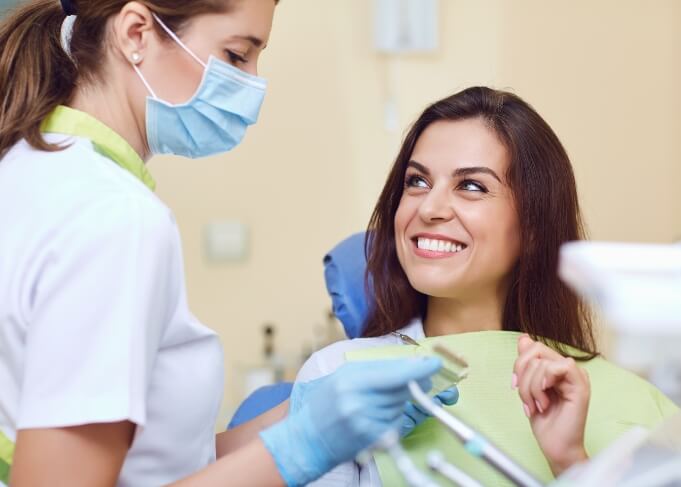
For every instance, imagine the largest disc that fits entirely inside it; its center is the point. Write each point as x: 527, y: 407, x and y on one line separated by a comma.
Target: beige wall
x: 605, y: 74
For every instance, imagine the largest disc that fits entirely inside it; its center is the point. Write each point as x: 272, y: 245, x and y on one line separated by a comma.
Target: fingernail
x: 543, y: 384
x: 527, y: 410
x: 514, y: 382
x: 541, y: 409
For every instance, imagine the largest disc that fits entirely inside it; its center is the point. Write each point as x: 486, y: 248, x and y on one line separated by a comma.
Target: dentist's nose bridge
x: 438, y: 204
x: 252, y: 68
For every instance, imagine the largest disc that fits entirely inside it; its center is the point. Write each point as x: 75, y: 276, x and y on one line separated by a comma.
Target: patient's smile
x: 436, y: 248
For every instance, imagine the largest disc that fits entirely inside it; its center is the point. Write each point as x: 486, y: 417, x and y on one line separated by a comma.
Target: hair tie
x: 68, y: 7
x: 67, y: 33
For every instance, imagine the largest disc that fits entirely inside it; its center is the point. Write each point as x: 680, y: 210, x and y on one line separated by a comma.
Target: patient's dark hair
x: 543, y: 185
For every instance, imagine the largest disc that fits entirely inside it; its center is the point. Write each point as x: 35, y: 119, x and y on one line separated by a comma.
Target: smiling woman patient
x: 465, y: 237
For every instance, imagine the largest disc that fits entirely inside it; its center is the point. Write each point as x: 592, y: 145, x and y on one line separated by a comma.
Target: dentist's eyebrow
x: 257, y: 42
x: 467, y: 171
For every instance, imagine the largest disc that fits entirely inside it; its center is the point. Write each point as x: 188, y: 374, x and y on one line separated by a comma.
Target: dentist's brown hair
x: 36, y: 74
x: 543, y: 185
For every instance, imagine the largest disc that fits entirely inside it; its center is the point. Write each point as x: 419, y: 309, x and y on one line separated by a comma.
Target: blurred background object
x: 637, y: 287
x: 605, y: 75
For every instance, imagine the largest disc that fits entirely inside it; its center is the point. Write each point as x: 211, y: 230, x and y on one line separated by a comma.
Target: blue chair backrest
x: 261, y: 401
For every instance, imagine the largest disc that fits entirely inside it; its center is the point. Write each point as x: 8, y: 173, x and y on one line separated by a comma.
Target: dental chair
x: 344, y: 268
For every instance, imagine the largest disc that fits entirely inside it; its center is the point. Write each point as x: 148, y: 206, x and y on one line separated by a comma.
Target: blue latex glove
x: 342, y: 414
x: 414, y: 415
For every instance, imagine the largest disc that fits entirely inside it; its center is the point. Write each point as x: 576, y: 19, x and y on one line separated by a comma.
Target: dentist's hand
x: 414, y: 415
x: 342, y: 414
x: 555, y: 394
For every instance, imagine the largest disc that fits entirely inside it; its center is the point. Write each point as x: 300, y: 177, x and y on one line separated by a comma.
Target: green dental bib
x: 619, y: 400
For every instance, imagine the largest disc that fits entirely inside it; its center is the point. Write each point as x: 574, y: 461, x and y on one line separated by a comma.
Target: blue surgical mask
x: 214, y: 120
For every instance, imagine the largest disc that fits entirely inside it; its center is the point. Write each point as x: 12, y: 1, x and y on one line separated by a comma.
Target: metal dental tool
x: 475, y: 443
x: 437, y: 463
x: 454, y: 367
x: 406, y: 338
x: 390, y: 443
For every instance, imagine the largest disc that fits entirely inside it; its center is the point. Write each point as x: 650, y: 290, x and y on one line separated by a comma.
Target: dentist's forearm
x: 230, y: 441
x: 250, y: 466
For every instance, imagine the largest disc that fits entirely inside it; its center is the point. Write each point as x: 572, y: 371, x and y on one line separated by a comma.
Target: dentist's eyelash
x: 234, y: 57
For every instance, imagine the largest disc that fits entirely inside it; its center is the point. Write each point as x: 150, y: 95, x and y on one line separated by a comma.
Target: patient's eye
x: 415, y: 181
x: 473, y: 186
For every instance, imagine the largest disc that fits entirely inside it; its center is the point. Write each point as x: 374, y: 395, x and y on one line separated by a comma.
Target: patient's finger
x: 529, y: 349
x: 524, y: 383
x: 541, y: 398
x: 566, y: 377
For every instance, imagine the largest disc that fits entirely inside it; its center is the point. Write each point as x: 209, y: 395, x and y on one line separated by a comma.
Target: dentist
x: 106, y: 378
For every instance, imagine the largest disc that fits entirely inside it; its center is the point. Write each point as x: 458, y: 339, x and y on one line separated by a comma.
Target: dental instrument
x: 454, y: 366
x: 437, y: 463
x: 390, y: 443
x: 476, y: 444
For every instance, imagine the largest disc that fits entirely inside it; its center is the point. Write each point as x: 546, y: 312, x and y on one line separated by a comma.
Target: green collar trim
x: 6, y: 455
x: 67, y: 121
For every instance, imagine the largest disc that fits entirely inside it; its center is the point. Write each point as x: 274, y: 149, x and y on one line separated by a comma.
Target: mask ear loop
x: 146, y: 84
x: 174, y: 37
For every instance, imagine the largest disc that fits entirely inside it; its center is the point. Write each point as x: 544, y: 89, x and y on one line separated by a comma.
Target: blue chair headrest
x: 344, y: 269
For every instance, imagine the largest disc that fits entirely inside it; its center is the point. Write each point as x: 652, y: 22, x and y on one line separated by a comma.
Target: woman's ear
x: 134, y: 31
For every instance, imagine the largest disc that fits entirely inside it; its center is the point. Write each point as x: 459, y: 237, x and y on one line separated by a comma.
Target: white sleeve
x: 319, y: 364
x: 324, y: 361
x: 106, y: 290
x: 312, y: 369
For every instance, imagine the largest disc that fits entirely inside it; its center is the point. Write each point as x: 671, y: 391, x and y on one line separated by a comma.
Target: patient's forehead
x: 445, y: 146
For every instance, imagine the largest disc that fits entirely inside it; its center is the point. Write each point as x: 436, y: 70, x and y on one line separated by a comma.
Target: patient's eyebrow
x: 419, y: 167
x: 458, y: 173
x: 467, y: 171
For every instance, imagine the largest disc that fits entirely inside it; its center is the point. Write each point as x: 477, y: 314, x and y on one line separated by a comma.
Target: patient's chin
x: 436, y: 289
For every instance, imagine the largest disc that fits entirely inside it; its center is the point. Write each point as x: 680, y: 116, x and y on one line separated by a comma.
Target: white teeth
x: 438, y: 245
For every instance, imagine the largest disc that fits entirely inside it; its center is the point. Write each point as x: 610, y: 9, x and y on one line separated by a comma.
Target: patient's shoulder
x: 329, y: 358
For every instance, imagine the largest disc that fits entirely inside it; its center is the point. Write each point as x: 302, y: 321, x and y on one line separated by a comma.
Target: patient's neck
x: 447, y: 316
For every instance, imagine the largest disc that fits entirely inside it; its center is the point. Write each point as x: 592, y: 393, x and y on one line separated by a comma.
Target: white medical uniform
x: 326, y: 361
x: 94, y: 323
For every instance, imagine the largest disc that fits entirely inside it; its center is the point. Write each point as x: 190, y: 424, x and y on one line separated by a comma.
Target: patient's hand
x: 555, y: 394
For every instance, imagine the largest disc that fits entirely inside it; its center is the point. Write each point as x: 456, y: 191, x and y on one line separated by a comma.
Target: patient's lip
x: 438, y: 236
x: 424, y: 246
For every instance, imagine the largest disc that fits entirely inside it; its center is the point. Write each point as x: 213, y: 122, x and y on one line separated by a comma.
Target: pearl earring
x: 136, y: 57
